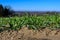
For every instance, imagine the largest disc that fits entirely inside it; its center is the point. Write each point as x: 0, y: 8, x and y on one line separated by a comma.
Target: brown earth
x: 26, y: 34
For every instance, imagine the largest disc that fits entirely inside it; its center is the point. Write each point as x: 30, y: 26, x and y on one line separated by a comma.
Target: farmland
x: 30, y: 27
x: 32, y: 22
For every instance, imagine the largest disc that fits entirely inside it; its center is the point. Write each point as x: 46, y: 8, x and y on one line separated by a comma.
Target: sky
x: 32, y: 5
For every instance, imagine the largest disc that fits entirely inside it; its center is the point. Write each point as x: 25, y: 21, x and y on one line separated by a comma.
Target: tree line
x: 5, y: 11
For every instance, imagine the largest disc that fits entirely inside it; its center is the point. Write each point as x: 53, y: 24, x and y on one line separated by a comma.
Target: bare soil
x: 26, y: 34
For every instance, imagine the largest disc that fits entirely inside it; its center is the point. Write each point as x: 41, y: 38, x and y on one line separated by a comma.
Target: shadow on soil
x: 38, y: 39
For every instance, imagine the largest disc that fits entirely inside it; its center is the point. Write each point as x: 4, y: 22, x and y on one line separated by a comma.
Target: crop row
x: 32, y: 22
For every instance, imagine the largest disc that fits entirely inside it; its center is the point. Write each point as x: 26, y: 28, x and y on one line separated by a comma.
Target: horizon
x: 32, y: 5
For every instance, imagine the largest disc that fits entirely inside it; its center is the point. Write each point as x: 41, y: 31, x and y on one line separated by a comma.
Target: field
x: 32, y: 22
x: 43, y: 26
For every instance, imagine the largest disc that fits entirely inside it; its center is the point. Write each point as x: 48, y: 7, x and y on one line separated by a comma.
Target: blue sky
x: 32, y: 5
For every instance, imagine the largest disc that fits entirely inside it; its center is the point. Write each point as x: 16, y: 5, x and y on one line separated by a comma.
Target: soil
x: 26, y: 34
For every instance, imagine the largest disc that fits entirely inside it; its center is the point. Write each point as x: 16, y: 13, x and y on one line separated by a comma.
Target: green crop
x: 32, y: 22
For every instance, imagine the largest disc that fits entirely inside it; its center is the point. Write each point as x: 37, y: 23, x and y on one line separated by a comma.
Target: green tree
x: 1, y: 10
x: 5, y: 11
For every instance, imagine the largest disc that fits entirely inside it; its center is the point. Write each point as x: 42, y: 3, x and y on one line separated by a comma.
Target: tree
x: 1, y: 10
x: 6, y: 11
